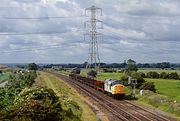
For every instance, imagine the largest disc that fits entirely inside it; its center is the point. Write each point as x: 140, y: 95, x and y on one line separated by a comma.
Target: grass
x: 161, y: 102
x: 146, y: 70
x: 63, y: 90
x: 103, y: 76
x: 4, y: 77
x: 167, y: 87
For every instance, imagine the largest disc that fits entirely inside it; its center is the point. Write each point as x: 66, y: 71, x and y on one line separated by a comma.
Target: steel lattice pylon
x: 93, y: 60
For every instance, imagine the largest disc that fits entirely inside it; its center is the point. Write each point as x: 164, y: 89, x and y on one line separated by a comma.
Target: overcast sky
x: 143, y: 30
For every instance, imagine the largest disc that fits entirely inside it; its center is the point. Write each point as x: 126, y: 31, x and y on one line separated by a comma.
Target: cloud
x: 144, y: 30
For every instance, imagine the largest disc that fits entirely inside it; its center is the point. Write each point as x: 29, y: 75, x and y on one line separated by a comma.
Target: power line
x: 40, y: 18
x: 38, y: 48
x: 39, y: 33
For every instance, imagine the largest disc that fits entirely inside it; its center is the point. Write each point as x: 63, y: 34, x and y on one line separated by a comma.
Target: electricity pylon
x: 93, y: 60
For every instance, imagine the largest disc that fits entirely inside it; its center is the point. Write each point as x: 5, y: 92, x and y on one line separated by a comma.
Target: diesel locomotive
x: 111, y: 87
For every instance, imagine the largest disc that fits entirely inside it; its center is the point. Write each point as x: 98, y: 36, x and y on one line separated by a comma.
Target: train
x: 111, y: 87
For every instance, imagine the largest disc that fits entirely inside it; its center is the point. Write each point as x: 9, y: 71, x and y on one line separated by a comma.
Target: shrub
x: 34, y: 110
x: 148, y: 86
x: 163, y: 75
x: 124, y: 78
x: 152, y: 74
x: 137, y: 75
x: 36, y: 93
x: 108, y: 70
x: 41, y: 104
x: 143, y: 75
x: 134, y: 75
x: 173, y: 75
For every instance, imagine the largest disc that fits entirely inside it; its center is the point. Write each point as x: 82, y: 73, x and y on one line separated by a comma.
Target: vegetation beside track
x: 4, y: 77
x: 66, y: 94
x: 166, y: 98
x: 158, y: 101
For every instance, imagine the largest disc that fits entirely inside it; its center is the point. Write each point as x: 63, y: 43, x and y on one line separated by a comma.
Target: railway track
x: 120, y: 110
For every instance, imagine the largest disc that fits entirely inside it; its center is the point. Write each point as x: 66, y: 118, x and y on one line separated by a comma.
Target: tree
x: 148, y: 86
x: 163, y: 75
x: 173, y: 75
x: 138, y: 76
x: 152, y: 74
x: 131, y: 66
x: 32, y: 66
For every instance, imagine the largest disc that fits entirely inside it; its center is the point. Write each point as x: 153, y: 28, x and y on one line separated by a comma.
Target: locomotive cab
x: 114, y: 88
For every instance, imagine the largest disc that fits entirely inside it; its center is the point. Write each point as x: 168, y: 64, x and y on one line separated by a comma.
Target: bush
x: 173, y: 75
x: 108, y: 70
x: 137, y: 75
x: 163, y: 75
x: 152, y: 74
x: 36, y: 93
x: 143, y: 75
x: 33, y: 110
x: 41, y: 104
x: 124, y: 78
x: 134, y: 75
x: 148, y: 86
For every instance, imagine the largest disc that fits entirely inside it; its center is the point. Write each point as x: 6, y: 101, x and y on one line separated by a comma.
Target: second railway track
x: 120, y: 110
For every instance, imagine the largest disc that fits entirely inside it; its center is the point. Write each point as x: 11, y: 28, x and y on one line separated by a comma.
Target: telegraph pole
x: 93, y: 60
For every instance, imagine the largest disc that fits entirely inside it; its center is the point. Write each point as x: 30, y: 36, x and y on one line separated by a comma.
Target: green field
x: 167, y: 87
x: 3, y: 77
x: 146, y: 70
x: 103, y: 76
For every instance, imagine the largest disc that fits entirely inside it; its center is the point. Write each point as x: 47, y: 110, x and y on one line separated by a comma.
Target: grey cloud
x: 147, y: 31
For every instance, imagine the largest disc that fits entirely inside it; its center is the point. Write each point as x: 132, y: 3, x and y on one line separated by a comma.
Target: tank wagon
x: 110, y: 87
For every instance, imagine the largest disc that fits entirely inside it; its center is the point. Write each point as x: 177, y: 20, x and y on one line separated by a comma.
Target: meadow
x: 167, y: 87
x: 4, y: 76
x: 158, y: 70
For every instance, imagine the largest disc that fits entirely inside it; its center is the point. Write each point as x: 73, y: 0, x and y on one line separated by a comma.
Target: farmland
x: 167, y: 87
x: 146, y: 70
x: 3, y: 79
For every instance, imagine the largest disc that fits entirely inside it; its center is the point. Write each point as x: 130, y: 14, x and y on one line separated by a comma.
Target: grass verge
x: 161, y: 102
x: 64, y: 91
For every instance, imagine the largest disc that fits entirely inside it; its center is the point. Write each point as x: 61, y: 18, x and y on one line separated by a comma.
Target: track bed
x: 116, y: 110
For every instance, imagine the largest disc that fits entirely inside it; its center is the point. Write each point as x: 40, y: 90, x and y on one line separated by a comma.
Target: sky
x: 52, y: 31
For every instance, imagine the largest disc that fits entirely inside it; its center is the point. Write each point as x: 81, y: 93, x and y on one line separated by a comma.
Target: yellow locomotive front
x: 114, y: 88
x: 118, y: 91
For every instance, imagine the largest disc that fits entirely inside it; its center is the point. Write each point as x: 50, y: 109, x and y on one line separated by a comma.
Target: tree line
x: 162, y: 65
